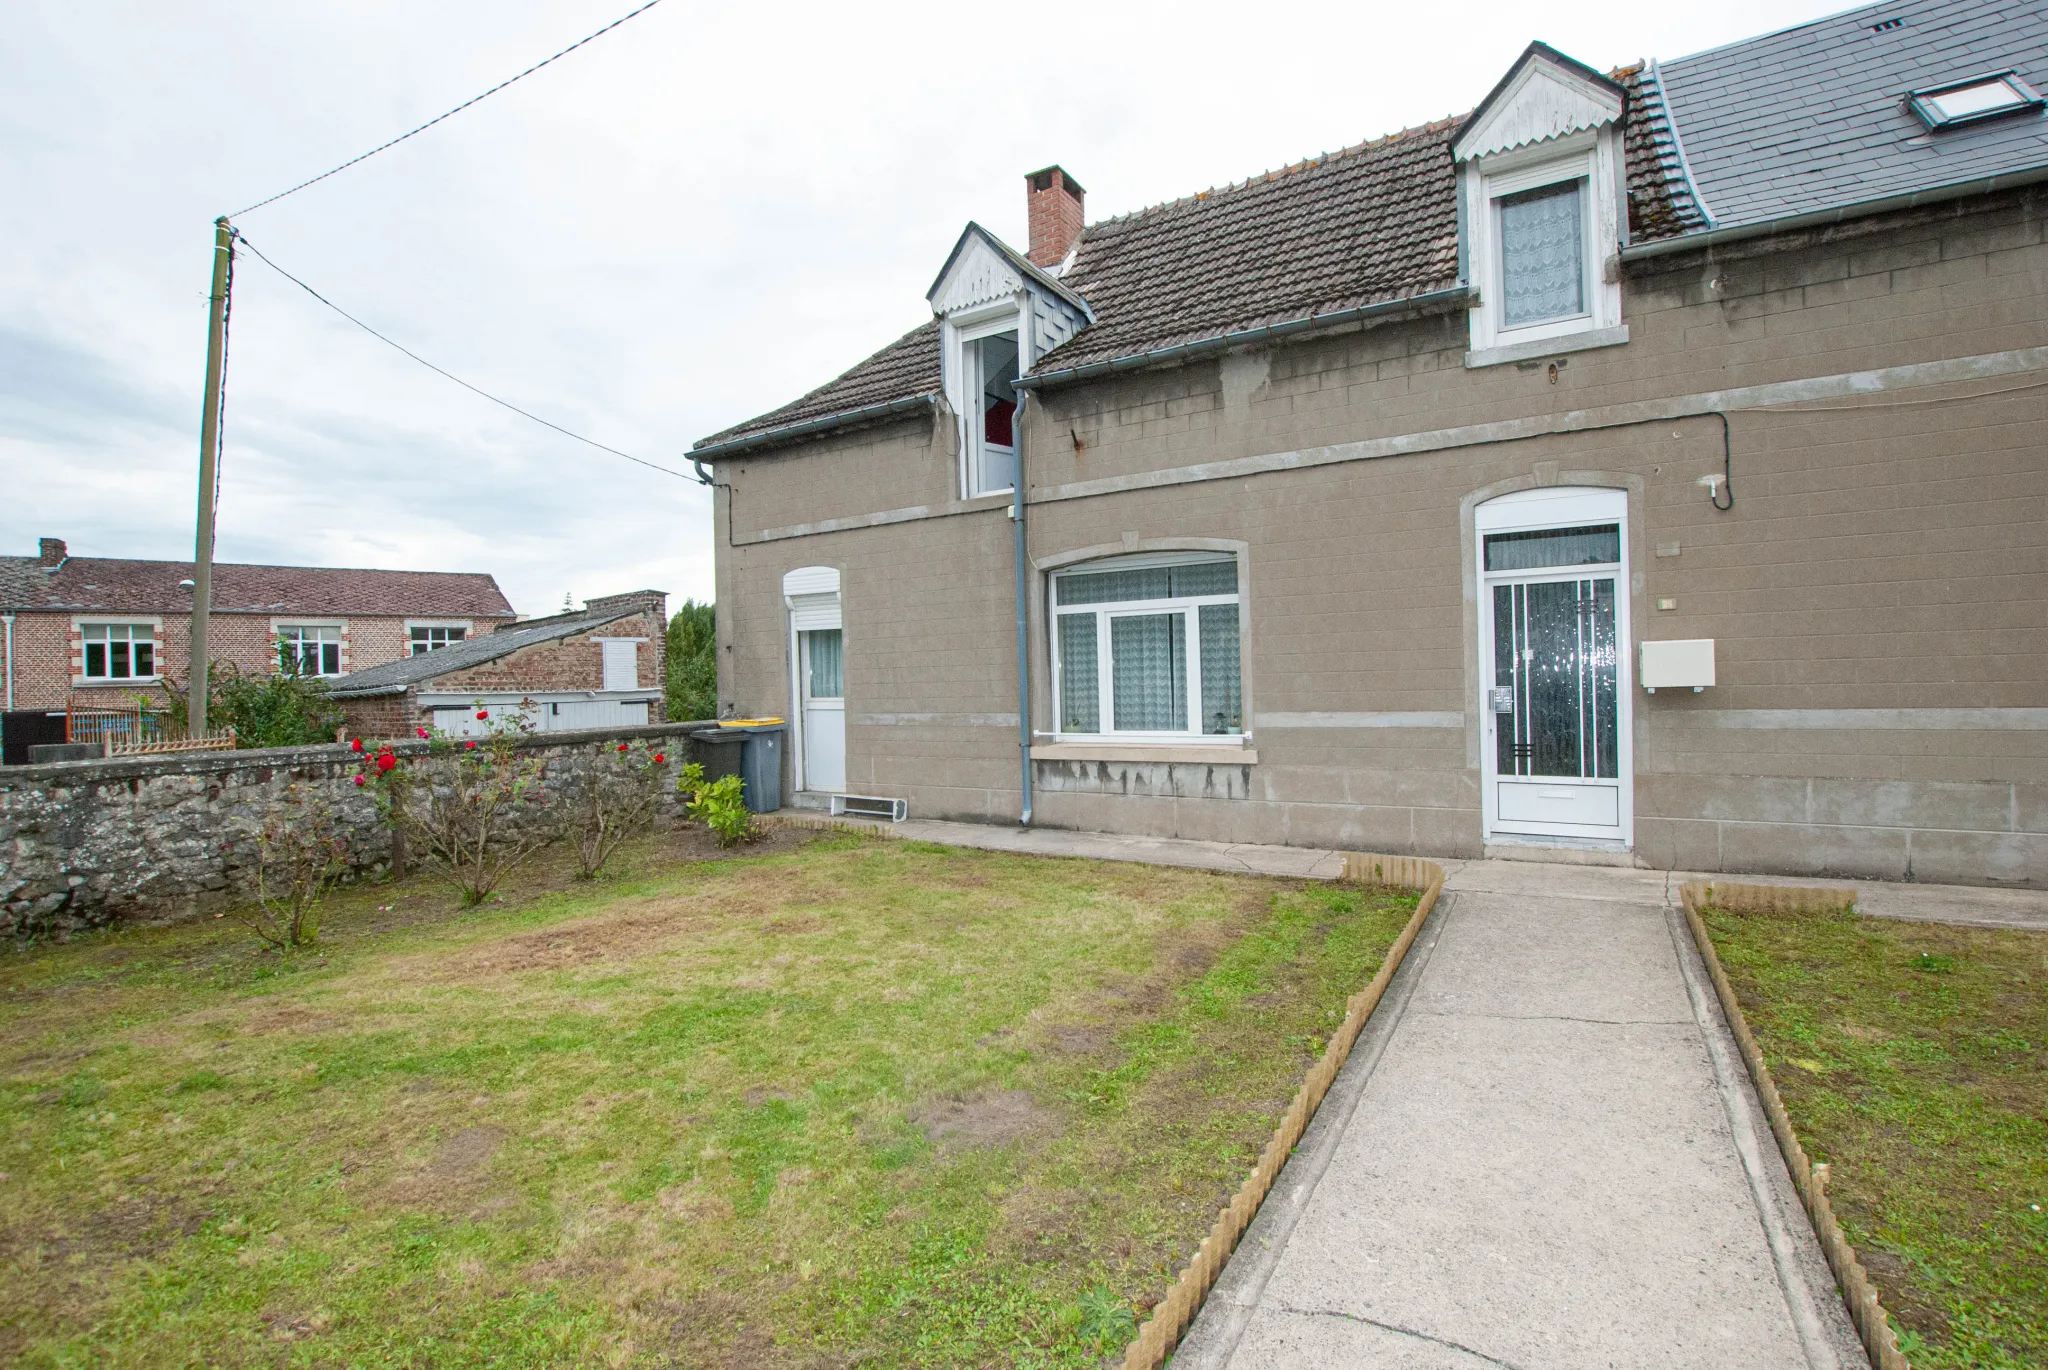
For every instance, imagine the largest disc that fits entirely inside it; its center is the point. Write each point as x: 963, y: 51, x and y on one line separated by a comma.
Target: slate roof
x: 1807, y: 120
x: 22, y: 581
x: 1813, y: 118
x: 113, y: 585
x: 394, y: 676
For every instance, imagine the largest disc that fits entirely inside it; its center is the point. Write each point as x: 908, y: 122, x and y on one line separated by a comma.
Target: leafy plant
x: 287, y: 709
x: 621, y: 794
x: 692, y: 684
x: 468, y: 808
x: 720, y: 805
x: 302, y: 849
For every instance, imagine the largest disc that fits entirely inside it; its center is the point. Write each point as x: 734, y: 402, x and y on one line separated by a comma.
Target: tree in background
x: 692, y: 685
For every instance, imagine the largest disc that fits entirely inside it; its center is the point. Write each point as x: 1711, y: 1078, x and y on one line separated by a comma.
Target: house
x: 96, y: 632
x: 1648, y: 466
x: 599, y: 667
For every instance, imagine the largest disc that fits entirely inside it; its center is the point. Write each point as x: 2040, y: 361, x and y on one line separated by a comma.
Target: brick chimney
x: 52, y: 551
x: 1053, y: 200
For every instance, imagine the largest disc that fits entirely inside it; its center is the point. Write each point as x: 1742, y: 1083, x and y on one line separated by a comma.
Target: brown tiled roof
x: 904, y: 369
x: 1370, y: 224
x: 1374, y: 222
x: 108, y: 585
x: 1660, y: 199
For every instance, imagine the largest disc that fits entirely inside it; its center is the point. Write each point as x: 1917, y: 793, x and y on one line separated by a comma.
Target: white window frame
x: 131, y: 622
x: 279, y: 627
x: 450, y: 624
x: 1187, y: 605
x: 963, y: 364
x: 1589, y: 158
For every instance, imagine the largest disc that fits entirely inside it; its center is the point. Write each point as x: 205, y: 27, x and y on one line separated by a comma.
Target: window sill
x: 1159, y: 753
x: 1537, y: 348
x: 96, y: 683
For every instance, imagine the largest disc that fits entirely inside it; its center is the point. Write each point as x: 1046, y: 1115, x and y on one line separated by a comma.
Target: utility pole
x: 201, y: 671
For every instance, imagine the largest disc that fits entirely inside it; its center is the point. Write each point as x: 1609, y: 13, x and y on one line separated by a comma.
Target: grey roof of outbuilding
x: 1814, y: 118
x: 393, y: 676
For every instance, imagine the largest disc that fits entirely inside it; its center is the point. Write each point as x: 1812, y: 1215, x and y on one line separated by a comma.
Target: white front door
x: 822, y: 671
x: 1555, y: 755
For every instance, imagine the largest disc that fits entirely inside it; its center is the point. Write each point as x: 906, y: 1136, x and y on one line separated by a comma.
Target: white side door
x: 1556, y: 760
x: 823, y: 674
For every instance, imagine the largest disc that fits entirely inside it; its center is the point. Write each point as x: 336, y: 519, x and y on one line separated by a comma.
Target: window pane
x: 452, y: 635
x: 1080, y: 680
x: 826, y: 679
x: 1553, y: 547
x: 330, y: 658
x: 998, y: 388
x: 1542, y: 263
x: 1108, y: 587
x: 1205, y: 578
x: 1149, y: 672
x: 145, y: 658
x: 120, y: 661
x: 1222, y: 687
x: 96, y: 658
x: 95, y: 632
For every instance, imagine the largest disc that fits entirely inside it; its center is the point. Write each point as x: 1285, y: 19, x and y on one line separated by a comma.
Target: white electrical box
x: 1677, y: 665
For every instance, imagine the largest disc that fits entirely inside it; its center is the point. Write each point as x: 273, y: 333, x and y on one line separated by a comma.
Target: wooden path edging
x: 1171, y: 1316
x: 1809, y: 1179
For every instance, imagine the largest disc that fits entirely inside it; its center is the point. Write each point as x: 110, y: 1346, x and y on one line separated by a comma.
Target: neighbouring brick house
x: 95, y: 632
x: 601, y: 666
x: 1649, y: 466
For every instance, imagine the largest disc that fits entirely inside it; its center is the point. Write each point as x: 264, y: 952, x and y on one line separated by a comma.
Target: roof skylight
x: 1980, y: 97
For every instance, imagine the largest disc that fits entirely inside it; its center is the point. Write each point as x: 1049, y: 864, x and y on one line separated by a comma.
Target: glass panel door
x: 1554, y: 652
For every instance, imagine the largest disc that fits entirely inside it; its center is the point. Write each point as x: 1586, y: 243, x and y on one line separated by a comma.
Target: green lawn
x: 1914, y: 1058
x: 840, y: 1101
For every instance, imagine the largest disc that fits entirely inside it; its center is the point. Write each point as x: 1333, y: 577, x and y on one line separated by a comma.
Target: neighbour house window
x: 426, y: 640
x: 1542, y: 255
x: 990, y: 365
x: 1146, y: 646
x: 119, y: 651
x: 1966, y: 102
x: 621, y: 663
x: 309, y: 649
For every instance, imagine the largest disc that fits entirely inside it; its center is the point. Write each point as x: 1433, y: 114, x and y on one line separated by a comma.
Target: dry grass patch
x: 834, y: 1102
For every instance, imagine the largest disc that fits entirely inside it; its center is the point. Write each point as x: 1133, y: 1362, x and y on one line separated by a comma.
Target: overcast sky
x: 694, y: 219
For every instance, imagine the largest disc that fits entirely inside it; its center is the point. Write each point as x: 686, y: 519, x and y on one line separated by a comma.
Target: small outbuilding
x: 599, y: 667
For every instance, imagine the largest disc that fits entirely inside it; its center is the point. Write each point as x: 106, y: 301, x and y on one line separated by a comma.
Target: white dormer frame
x: 987, y: 288
x: 1549, y: 122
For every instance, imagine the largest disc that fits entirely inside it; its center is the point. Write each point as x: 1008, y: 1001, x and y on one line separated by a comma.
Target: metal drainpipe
x: 1023, y: 617
x: 9, y: 619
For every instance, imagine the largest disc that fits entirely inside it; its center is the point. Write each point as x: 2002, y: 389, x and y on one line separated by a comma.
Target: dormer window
x: 992, y: 465
x: 1539, y: 170
x: 1542, y: 254
x: 1967, y: 102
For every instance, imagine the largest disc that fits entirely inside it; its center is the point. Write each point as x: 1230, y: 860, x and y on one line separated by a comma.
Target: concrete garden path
x: 1543, y: 1153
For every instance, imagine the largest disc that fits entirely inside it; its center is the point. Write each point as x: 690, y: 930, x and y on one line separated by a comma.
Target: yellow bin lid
x: 746, y: 722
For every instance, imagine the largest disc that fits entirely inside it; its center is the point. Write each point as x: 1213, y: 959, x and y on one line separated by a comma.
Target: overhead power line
x: 457, y: 110
x: 525, y: 414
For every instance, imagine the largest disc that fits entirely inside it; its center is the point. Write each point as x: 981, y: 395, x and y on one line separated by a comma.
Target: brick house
x: 601, y: 666
x: 98, y: 631
x: 1645, y: 467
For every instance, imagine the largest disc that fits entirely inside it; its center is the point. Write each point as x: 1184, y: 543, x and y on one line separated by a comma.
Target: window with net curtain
x: 1542, y: 255
x: 1148, y: 647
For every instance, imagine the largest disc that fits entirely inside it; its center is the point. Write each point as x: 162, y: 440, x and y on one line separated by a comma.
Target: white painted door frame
x: 1556, y: 807
x: 810, y: 595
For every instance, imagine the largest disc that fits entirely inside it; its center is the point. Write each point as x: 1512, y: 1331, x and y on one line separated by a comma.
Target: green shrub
x: 692, y: 684
x: 720, y: 805
x: 283, y: 710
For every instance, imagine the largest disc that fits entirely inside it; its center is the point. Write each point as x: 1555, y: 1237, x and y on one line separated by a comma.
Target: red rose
x: 361, y: 781
x: 356, y: 745
x: 483, y: 713
x: 385, y: 761
x: 659, y: 758
x: 425, y: 733
x: 622, y: 746
x: 470, y: 745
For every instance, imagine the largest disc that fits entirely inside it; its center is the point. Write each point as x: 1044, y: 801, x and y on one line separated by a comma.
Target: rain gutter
x: 734, y: 446
x: 1435, y: 301
x: 1982, y: 185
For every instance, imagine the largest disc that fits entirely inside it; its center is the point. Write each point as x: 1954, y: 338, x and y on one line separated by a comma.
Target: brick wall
x: 1886, y: 552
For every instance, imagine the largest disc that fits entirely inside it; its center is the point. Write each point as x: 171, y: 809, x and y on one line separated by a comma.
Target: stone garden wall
x: 158, y: 837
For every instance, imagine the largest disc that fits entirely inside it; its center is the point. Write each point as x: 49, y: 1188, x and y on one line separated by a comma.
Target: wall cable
x: 525, y: 414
